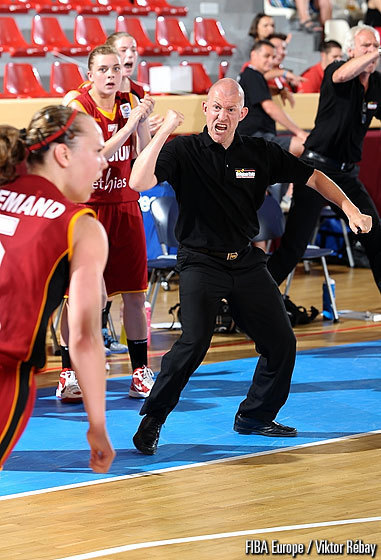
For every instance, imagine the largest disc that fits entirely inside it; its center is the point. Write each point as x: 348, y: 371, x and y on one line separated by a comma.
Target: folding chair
x: 209, y: 33
x: 12, y: 40
x: 272, y: 224
x: 201, y: 82
x: 162, y: 8
x: 64, y: 76
x: 171, y: 33
x: 164, y: 211
x: 134, y: 27
x: 22, y: 80
x: 89, y: 32
x: 47, y: 32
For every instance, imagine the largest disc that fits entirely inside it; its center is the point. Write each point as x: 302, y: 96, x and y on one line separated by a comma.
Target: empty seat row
x: 48, y: 35
x: 23, y: 80
x: 97, y: 7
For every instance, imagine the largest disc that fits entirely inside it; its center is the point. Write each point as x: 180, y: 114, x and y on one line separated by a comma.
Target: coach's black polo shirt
x: 219, y: 191
x: 344, y: 115
x: 256, y: 90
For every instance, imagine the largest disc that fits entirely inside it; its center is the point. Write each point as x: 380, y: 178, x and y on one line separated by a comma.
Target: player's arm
x: 86, y: 343
x: 332, y: 192
x: 118, y: 139
x: 143, y: 134
x: 143, y: 172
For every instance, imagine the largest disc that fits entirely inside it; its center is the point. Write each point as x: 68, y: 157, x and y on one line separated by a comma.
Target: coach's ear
x: 204, y: 107
x: 244, y: 112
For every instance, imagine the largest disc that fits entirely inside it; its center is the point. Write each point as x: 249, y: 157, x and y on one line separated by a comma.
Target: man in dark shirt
x: 350, y: 98
x: 220, y: 180
x: 263, y: 113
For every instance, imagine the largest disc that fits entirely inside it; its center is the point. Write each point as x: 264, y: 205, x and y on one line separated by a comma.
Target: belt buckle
x: 231, y: 256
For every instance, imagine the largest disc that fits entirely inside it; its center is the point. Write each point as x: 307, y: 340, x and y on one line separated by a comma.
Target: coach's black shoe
x: 147, y: 436
x: 244, y: 425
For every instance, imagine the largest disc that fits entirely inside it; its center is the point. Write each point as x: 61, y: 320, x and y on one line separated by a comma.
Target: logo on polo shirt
x: 372, y: 105
x: 244, y: 173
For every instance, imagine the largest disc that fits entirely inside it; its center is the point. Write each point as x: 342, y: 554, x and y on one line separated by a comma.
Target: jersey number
x: 8, y: 226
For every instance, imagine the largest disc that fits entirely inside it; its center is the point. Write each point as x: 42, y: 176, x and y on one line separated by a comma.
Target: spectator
x: 373, y: 13
x: 280, y: 80
x: 306, y: 23
x: 261, y: 27
x: 313, y: 77
x: 263, y: 113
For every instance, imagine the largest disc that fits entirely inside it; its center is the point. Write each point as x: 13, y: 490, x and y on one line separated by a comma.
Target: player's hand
x: 155, y: 122
x: 172, y: 120
x: 360, y: 223
x: 146, y: 106
x: 102, y: 452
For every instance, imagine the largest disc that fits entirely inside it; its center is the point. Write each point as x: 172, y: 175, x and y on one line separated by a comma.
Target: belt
x: 220, y: 255
x: 340, y: 166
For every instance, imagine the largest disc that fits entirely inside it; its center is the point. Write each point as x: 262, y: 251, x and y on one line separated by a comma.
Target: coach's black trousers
x: 303, y: 216
x: 258, y: 309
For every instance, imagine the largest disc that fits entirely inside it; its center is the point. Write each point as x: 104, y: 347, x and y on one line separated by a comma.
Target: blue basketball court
x: 335, y: 393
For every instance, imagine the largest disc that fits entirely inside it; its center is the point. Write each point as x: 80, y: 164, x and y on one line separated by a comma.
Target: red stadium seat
x: 170, y: 32
x: 14, y: 7
x: 210, y: 34
x: 134, y: 27
x: 125, y: 7
x: 90, y: 7
x: 222, y: 69
x: 64, y: 76
x: 201, y: 81
x: 58, y: 7
x: 143, y: 70
x: 13, y: 42
x: 162, y: 8
x: 47, y: 32
x: 22, y: 80
x: 89, y: 32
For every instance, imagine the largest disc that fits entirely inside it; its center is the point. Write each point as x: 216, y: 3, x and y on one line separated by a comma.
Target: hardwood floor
x: 293, y: 496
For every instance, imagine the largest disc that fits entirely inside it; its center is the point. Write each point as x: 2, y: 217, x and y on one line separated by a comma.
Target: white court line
x: 181, y: 467
x: 198, y: 538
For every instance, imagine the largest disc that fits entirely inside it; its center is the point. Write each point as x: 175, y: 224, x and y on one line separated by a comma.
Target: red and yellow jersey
x: 36, y: 227
x: 113, y: 186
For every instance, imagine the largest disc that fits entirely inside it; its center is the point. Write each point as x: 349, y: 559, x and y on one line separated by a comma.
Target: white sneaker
x: 68, y: 389
x: 142, y: 383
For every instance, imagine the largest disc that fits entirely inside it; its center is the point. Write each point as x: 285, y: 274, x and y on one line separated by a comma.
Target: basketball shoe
x: 113, y: 345
x: 142, y: 383
x: 68, y: 389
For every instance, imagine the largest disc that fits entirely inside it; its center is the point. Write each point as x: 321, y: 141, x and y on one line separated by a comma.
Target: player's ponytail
x: 12, y: 152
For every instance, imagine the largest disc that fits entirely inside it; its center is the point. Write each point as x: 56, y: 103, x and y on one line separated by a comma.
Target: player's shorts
x: 17, y: 395
x: 126, y: 269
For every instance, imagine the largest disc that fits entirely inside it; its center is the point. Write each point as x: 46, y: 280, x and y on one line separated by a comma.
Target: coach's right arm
x: 143, y: 171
